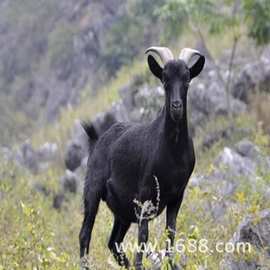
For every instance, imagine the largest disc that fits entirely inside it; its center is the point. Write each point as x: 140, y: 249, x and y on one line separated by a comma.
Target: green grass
x: 35, y: 236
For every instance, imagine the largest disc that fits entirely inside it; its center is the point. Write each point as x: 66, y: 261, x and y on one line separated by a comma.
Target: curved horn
x: 164, y: 53
x: 186, y: 54
x: 195, y: 69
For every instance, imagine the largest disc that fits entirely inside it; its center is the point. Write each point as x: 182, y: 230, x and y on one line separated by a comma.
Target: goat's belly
x: 121, y: 203
x: 126, y: 206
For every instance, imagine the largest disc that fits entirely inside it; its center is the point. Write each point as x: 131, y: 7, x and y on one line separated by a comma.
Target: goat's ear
x: 154, y: 66
x: 197, y: 67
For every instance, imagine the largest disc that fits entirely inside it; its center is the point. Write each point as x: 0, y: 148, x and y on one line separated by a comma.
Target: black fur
x: 90, y: 130
x: 127, y: 157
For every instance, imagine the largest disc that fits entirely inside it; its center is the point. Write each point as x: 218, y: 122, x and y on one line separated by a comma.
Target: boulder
x: 211, y: 138
x: 254, y: 230
x: 77, y: 147
x: 148, y: 101
x: 27, y: 157
x: 234, y: 164
x: 47, y: 152
x: 225, y: 133
x: 240, y: 265
x: 58, y: 200
x: 74, y: 155
x: 142, y: 102
x: 205, y: 101
x: 69, y: 182
x: 242, y: 160
x: 249, y: 150
x: 253, y: 76
x: 36, y: 160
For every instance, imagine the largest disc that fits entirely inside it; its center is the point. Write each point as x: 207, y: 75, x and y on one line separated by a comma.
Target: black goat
x: 127, y: 159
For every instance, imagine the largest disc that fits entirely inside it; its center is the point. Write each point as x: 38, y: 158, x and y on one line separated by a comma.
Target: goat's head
x: 175, y: 75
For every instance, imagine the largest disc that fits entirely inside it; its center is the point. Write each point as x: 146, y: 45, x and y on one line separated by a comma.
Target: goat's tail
x: 92, y: 134
x: 90, y: 130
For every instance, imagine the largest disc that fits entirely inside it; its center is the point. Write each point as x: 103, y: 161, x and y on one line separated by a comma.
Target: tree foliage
x: 219, y: 16
x: 257, y: 14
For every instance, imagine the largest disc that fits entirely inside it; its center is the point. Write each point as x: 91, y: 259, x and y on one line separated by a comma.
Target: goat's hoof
x: 84, y: 264
x: 84, y: 268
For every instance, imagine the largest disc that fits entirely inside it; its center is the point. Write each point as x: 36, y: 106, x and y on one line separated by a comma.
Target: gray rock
x: 254, y: 230
x: 47, y: 152
x: 36, y: 160
x: 77, y: 147
x: 69, y: 182
x: 240, y: 265
x: 247, y: 149
x: 211, y: 138
x: 74, y: 155
x: 254, y: 75
x: 142, y: 102
x: 211, y: 100
x: 147, y: 102
x: 234, y: 164
x: 27, y: 157
x: 224, y: 133
x: 58, y: 200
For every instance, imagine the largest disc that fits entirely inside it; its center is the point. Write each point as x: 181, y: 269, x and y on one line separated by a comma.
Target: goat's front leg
x: 142, y: 240
x: 172, y: 211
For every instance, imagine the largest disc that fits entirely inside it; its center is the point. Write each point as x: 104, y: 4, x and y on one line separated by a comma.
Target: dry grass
x: 260, y: 104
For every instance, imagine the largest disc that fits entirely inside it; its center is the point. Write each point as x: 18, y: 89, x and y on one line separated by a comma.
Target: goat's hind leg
x: 118, y: 233
x: 91, y: 204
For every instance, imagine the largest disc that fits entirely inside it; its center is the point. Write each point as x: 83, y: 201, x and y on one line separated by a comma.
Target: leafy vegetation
x: 33, y: 234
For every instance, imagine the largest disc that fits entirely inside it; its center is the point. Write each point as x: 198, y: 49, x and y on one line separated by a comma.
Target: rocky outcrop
x: 77, y: 147
x: 36, y: 159
x: 254, y: 76
x: 254, y: 230
x: 69, y: 182
x: 210, y: 99
x: 230, y: 168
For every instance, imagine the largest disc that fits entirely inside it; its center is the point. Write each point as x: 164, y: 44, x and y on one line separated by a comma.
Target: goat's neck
x: 176, y: 133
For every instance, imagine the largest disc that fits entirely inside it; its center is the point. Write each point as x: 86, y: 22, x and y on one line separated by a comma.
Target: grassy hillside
x: 36, y: 236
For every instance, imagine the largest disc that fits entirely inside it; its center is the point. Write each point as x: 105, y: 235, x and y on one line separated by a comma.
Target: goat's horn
x: 186, y: 54
x: 164, y: 53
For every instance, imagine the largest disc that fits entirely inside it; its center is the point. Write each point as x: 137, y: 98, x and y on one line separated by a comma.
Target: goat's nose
x: 177, y: 104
